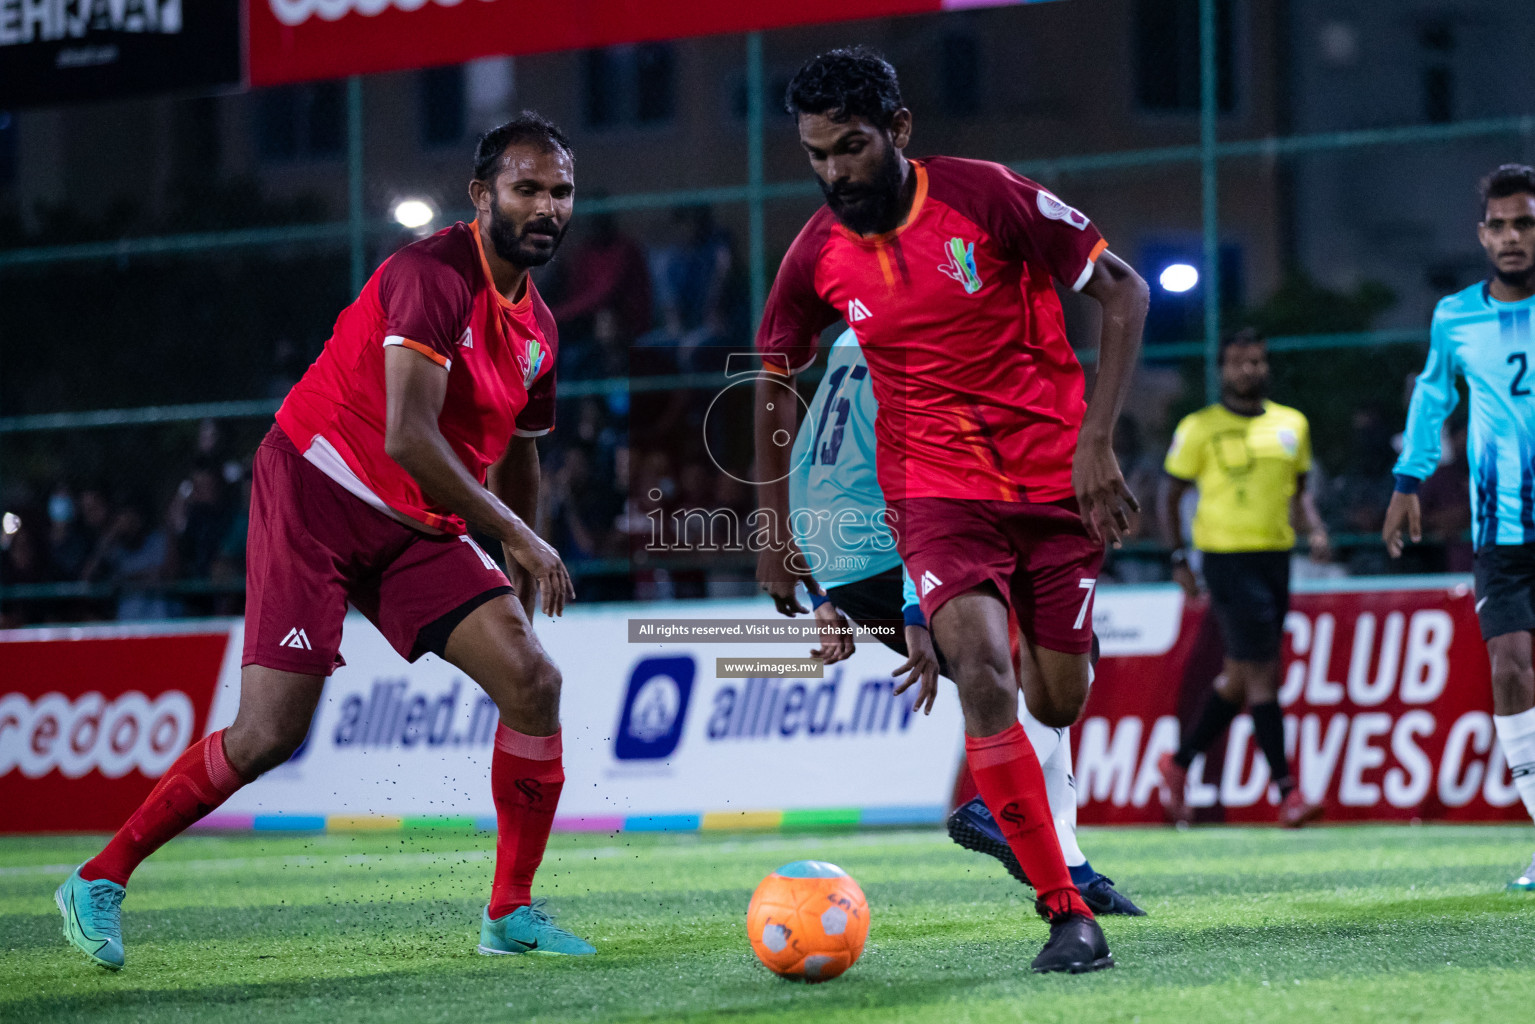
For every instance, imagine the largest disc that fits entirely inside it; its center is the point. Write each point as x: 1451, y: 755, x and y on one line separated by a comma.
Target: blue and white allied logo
x: 655, y: 708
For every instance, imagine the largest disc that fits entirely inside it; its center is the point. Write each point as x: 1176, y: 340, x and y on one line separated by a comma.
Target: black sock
x: 1268, y: 726
x: 1213, y: 720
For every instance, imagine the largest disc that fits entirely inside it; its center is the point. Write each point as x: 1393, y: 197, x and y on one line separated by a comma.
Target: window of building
x: 1436, y: 40
x: 8, y: 135
x: 442, y: 105
x: 776, y: 86
x: 1167, y: 55
x: 630, y: 85
x: 959, y: 75
x: 301, y: 122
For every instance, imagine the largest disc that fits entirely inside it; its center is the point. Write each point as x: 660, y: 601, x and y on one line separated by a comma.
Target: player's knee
x: 263, y: 744
x: 987, y: 695
x: 1058, y: 713
x: 982, y: 666
x: 1512, y: 676
x: 543, y: 686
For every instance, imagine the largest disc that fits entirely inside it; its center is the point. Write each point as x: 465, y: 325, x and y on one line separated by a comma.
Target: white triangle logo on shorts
x: 297, y: 639
x: 929, y: 581
x: 467, y: 340
x: 857, y: 311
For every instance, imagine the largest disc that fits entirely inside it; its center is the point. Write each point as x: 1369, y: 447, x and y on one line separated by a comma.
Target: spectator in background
x: 288, y: 365
x: 70, y: 542
x: 23, y: 560
x: 93, y: 516
x: 606, y: 301
x: 135, y: 554
x: 200, y: 518
x: 1356, y: 495
x: 1445, y: 499
x: 595, y: 431
x: 577, y: 514
x: 229, y: 562
x: 693, y: 279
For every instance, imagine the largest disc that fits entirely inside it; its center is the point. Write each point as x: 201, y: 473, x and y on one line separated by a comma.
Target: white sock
x: 1053, y: 749
x: 1044, y: 738
x: 1061, y: 789
x: 1517, y: 735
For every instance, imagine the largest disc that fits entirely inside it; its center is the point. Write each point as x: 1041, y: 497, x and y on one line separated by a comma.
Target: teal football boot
x: 93, y: 918
x: 528, y: 930
x: 1526, y: 881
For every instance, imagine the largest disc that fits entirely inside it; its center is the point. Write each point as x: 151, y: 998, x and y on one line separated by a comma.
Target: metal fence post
x: 356, y: 225
x: 755, y: 212
x: 1210, y: 212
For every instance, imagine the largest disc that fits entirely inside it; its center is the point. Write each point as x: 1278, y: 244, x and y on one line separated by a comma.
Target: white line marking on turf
x: 688, y: 849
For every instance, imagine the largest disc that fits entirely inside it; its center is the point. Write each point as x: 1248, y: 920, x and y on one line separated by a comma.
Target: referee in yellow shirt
x: 1248, y: 457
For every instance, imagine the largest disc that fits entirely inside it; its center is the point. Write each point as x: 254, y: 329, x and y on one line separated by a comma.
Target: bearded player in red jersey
x: 417, y: 420
x: 1001, y: 482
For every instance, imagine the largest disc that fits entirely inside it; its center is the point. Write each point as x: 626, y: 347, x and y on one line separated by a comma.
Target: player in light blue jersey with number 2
x: 840, y: 523
x: 1485, y: 335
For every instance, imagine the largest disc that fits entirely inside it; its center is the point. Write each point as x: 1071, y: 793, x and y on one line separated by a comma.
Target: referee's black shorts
x: 1250, y: 595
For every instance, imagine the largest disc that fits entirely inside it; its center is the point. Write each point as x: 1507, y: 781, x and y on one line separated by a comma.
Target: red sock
x: 526, y: 776
x: 1008, y: 775
x: 200, y: 780
x: 964, y: 786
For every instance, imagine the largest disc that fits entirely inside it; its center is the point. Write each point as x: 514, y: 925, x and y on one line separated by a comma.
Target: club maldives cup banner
x: 1387, y: 708
x: 1386, y: 697
x: 298, y: 40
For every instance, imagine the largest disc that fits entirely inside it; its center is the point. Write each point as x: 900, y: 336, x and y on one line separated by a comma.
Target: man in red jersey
x: 417, y: 421
x: 1001, y: 482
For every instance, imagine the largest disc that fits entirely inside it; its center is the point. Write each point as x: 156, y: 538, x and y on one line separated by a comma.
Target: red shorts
x: 1038, y: 556
x: 313, y: 547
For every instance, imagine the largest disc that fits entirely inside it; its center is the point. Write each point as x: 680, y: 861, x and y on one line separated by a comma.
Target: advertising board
x: 1386, y: 697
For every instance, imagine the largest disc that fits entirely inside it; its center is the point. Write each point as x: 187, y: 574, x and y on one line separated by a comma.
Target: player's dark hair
x: 1246, y: 336
x: 526, y: 129
x: 846, y: 83
x: 1508, y: 180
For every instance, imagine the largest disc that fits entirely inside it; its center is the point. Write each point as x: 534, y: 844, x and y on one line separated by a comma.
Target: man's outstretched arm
x: 1106, y: 503
x: 416, y: 388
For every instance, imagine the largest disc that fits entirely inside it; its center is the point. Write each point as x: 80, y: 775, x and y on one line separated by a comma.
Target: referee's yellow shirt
x: 1245, y: 468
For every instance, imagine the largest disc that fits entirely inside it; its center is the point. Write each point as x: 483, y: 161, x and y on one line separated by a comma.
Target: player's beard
x: 1255, y: 390
x: 512, y: 244
x: 870, y: 209
x: 1517, y: 279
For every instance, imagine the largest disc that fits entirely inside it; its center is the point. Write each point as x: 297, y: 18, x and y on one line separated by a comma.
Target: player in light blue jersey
x: 839, y: 522
x: 1484, y: 334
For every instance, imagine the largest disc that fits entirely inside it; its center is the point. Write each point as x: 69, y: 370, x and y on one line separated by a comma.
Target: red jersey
x: 979, y: 392
x: 435, y: 296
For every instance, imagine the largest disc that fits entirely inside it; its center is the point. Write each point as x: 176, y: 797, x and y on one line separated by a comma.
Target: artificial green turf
x: 1341, y: 924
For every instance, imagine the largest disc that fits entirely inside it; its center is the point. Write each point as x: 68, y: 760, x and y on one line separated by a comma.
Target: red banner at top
x: 301, y: 40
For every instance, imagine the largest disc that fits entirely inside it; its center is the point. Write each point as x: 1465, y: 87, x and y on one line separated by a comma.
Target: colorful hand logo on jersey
x: 961, y: 265
x: 536, y: 355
